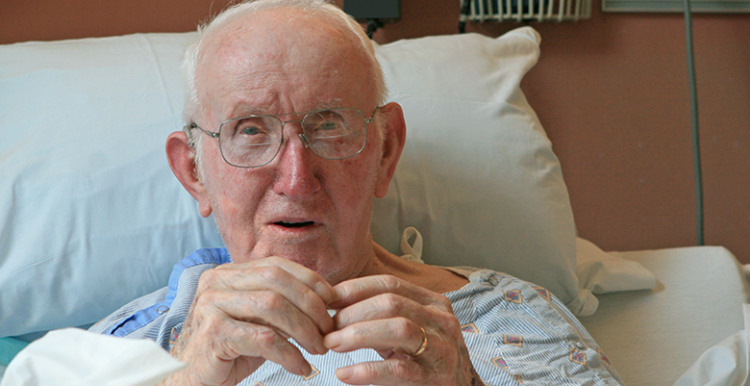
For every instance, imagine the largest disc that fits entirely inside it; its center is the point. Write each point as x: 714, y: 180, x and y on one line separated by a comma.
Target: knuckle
x: 405, y: 327
x: 269, y: 300
x: 390, y: 282
x: 208, y: 280
x: 209, y: 297
x: 392, y: 302
x: 270, y: 273
x: 445, y: 302
x: 265, y: 337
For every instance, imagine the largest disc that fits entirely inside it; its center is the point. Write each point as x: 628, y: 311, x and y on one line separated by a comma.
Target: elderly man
x: 288, y: 142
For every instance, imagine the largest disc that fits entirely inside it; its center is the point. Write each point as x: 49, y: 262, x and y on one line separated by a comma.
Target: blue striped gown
x: 516, y: 333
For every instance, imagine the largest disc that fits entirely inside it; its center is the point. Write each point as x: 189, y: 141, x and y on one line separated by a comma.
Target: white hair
x: 193, y: 108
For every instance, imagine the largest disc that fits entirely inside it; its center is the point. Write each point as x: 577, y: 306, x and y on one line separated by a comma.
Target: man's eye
x: 251, y: 130
x: 326, y: 126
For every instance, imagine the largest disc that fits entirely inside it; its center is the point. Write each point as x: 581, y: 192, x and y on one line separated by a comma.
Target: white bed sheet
x: 652, y: 337
x: 77, y: 357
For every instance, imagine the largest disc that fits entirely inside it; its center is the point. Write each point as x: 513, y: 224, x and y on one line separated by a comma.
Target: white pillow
x: 91, y: 216
x: 478, y: 177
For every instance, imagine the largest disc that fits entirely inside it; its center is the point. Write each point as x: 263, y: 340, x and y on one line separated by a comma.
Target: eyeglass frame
x: 302, y: 136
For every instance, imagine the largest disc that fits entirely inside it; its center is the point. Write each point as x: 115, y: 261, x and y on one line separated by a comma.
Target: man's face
x: 307, y: 209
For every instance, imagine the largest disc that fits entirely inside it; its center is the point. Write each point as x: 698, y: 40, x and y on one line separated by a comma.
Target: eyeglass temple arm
x: 188, y: 128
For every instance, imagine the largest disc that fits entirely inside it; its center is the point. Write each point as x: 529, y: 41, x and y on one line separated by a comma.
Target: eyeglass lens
x: 255, y: 140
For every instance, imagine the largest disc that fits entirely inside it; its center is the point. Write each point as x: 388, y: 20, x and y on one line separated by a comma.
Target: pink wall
x: 611, y: 91
x: 613, y: 95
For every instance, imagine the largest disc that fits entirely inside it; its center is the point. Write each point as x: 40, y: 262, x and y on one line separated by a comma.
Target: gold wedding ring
x: 422, y: 347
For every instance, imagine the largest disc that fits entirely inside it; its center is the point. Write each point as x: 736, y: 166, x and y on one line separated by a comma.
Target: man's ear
x: 182, y: 161
x: 394, y: 137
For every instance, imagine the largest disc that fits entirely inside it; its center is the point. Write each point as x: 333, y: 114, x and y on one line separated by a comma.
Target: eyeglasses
x: 254, y: 140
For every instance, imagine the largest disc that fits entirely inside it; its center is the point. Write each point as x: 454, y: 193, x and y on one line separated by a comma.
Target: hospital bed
x: 91, y: 216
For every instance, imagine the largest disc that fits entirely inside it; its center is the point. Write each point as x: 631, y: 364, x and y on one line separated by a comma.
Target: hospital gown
x: 516, y: 333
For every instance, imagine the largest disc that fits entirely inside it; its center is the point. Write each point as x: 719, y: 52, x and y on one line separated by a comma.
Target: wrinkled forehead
x: 274, y: 48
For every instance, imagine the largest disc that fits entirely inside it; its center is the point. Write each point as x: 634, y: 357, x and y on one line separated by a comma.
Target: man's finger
x: 270, y: 277
x: 355, y: 290
x: 400, y: 335
x: 383, y: 306
x: 262, y: 341
x: 310, y: 278
x: 386, y: 373
x: 268, y: 308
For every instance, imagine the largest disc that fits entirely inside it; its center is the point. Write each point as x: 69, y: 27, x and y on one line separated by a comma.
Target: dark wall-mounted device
x: 375, y: 12
x: 373, y: 9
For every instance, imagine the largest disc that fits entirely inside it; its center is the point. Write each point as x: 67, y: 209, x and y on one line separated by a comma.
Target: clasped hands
x: 244, y: 314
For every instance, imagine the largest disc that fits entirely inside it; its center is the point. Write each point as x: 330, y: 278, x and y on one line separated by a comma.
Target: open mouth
x: 294, y: 224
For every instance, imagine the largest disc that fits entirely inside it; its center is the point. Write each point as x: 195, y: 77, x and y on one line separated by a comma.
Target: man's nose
x: 296, y: 174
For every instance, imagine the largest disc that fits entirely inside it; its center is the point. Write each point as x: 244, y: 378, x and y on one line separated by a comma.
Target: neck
x: 431, y: 277
x: 382, y: 262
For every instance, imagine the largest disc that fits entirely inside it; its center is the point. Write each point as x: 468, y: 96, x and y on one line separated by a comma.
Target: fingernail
x: 332, y: 341
x: 306, y: 369
x: 325, y: 291
x: 344, y: 373
x: 322, y: 349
